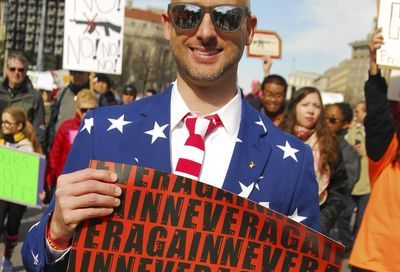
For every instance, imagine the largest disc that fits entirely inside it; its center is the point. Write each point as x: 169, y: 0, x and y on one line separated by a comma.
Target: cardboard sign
x: 93, y: 35
x: 389, y: 20
x: 394, y: 86
x: 265, y: 43
x: 171, y: 223
x: 21, y: 176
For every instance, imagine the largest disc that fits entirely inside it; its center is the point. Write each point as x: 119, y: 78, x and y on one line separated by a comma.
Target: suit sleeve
x: 306, y: 194
x: 379, y: 123
x: 33, y: 251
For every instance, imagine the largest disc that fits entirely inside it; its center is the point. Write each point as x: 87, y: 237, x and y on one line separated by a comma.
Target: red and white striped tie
x: 190, y: 163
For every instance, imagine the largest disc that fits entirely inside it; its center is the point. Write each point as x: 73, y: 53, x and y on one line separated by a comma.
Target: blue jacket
x: 282, y: 176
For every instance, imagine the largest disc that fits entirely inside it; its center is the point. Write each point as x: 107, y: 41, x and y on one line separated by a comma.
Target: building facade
x: 147, y: 54
x: 300, y: 79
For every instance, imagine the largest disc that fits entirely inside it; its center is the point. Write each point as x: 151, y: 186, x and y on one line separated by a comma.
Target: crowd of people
x: 344, y: 160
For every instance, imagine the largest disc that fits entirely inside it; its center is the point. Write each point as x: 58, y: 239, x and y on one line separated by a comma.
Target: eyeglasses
x: 333, y: 120
x: 270, y: 95
x: 13, y: 69
x: 85, y: 110
x: 8, y: 124
x: 188, y: 17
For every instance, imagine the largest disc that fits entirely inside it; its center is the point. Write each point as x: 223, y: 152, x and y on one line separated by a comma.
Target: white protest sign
x: 394, y: 86
x: 93, y: 35
x: 265, y: 43
x: 389, y: 20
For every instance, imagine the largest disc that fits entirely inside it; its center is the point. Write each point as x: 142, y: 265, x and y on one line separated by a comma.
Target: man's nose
x: 206, y: 30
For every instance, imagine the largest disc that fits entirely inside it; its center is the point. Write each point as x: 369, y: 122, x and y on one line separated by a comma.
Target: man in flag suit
x: 246, y: 155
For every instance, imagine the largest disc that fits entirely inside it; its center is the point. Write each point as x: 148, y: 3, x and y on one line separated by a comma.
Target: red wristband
x: 57, y: 244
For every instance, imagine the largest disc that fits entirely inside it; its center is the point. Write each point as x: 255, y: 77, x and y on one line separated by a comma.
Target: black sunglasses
x: 13, y: 69
x: 333, y: 120
x: 188, y: 17
x: 85, y: 110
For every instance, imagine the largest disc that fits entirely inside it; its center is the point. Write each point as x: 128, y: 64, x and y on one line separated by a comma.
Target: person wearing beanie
x: 102, y: 87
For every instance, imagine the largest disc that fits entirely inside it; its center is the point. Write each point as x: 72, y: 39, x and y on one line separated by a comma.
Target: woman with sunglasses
x: 305, y: 119
x: 17, y: 133
x: 377, y: 243
x: 339, y: 117
x: 85, y: 100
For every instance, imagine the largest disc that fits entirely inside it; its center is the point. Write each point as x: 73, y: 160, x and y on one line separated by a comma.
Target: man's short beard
x: 197, y: 75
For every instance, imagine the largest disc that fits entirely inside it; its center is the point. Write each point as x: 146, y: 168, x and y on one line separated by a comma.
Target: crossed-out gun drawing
x: 92, y: 24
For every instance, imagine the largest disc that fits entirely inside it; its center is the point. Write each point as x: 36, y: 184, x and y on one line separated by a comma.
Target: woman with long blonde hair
x: 16, y: 132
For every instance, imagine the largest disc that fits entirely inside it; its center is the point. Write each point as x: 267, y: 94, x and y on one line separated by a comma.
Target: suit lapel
x: 156, y: 117
x: 251, y: 153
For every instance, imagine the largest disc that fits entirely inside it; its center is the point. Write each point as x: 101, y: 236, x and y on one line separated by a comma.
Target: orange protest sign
x: 171, y: 223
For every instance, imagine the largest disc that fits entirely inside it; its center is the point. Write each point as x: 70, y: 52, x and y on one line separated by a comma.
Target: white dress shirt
x: 219, y: 145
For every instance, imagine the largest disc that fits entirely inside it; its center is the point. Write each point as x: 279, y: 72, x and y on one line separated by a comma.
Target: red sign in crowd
x: 171, y: 223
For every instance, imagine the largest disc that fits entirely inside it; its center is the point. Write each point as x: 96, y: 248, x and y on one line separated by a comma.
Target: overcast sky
x: 315, y: 33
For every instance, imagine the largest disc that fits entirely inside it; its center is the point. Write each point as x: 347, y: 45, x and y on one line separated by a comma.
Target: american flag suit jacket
x: 268, y: 166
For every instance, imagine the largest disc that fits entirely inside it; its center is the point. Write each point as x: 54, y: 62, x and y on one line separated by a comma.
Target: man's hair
x: 346, y: 110
x: 19, y: 56
x: 277, y: 79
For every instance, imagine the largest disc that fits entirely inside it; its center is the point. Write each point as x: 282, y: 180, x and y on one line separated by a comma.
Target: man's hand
x: 82, y: 195
x: 376, y: 42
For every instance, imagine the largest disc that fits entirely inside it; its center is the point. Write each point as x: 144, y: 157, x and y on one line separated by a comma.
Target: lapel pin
x: 252, y: 165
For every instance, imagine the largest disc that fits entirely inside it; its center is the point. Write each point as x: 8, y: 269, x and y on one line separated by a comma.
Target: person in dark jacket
x: 377, y: 243
x: 339, y: 117
x: 305, y: 119
x: 17, y: 90
x: 129, y: 94
x: 63, y: 107
x: 272, y: 100
x: 271, y: 97
x: 102, y: 87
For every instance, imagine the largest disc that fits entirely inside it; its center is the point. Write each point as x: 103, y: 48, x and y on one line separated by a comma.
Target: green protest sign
x: 21, y: 176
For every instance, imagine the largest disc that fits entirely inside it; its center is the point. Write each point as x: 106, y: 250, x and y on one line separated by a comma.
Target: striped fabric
x: 192, y: 156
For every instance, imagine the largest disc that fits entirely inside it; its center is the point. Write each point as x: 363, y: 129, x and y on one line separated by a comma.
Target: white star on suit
x: 257, y: 183
x: 296, y: 217
x: 157, y: 132
x: 35, y: 258
x: 265, y: 204
x: 246, y: 190
x: 288, y: 151
x: 89, y: 123
x: 261, y: 124
x: 118, y: 123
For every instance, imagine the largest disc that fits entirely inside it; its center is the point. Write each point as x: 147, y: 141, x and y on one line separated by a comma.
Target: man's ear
x: 167, y: 25
x: 251, y: 27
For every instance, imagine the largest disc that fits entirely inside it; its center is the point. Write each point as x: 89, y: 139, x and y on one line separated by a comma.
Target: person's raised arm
x: 267, y: 64
x: 379, y: 123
